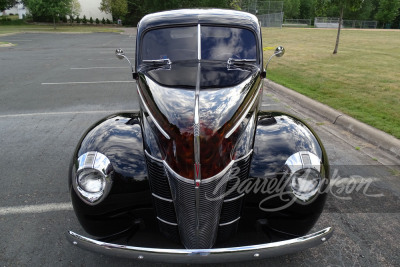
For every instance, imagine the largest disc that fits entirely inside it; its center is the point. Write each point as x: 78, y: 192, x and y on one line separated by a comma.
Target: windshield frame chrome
x: 230, y: 61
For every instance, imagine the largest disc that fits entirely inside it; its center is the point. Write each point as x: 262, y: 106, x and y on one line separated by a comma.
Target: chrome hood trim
x: 152, y: 116
x: 217, y: 255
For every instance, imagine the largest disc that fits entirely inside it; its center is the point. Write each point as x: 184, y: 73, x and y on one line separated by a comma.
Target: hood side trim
x: 151, y: 116
x: 231, y: 131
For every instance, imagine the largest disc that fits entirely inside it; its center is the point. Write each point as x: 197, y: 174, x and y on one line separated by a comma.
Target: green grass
x: 362, y: 80
x: 6, y: 44
x: 395, y: 172
x: 7, y: 29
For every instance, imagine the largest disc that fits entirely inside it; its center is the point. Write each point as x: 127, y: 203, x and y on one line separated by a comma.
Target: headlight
x: 93, y: 180
x: 305, y: 184
x: 304, y: 171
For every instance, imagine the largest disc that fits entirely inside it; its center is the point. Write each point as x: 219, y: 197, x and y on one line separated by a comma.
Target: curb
x: 374, y: 136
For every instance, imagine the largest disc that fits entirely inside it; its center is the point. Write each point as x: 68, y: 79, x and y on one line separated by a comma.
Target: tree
x: 364, y: 13
x: 74, y: 9
x: 306, y: 9
x: 53, y: 8
x: 138, y: 8
x: 117, y: 8
x: 6, y: 4
x: 387, y: 11
x: 291, y: 8
x: 342, y: 5
x: 396, y: 21
x: 235, y: 4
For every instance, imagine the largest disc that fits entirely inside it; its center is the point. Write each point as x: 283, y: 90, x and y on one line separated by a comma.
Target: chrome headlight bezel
x: 304, y: 171
x: 96, y: 169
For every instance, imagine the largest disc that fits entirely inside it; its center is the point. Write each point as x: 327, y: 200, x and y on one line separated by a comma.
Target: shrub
x: 97, y: 21
x: 91, y: 20
x: 103, y: 21
x: 84, y: 19
x: 108, y: 21
x: 63, y: 19
x: 78, y: 19
x: 4, y: 21
x: 28, y: 18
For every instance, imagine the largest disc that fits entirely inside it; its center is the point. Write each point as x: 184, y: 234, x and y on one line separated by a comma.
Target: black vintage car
x: 199, y: 173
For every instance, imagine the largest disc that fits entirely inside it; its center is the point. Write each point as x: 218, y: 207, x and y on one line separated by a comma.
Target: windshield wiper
x: 158, y: 61
x: 240, y: 61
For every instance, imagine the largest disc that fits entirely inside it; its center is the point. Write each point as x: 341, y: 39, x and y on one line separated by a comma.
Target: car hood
x: 224, y: 95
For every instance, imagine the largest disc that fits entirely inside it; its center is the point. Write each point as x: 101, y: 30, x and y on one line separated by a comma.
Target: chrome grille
x: 233, y: 202
x: 162, y: 198
x: 175, y: 203
x: 197, y: 230
x: 158, y: 179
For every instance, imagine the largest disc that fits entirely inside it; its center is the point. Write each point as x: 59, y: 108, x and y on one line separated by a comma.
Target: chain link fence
x: 269, y: 13
x: 261, y: 7
x: 271, y: 20
x: 334, y: 23
x: 297, y: 23
x: 360, y: 24
x: 326, y: 22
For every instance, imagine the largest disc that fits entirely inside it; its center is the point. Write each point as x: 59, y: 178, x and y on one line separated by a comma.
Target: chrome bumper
x: 245, y: 253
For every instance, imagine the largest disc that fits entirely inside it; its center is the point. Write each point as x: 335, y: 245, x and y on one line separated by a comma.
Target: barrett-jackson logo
x: 279, y: 188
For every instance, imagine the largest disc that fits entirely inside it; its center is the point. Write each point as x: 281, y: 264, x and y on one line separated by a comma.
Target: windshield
x: 164, y: 45
x: 222, y: 43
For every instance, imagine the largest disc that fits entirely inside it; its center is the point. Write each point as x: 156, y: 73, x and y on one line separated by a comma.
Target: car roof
x: 199, y: 16
x: 215, y: 17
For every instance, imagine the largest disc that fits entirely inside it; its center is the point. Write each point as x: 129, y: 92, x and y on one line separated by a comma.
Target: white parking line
x: 98, y: 82
x: 268, y: 105
x: 91, y: 59
x: 60, y: 113
x: 90, y: 68
x: 108, y: 59
x: 108, y: 52
x: 35, y: 208
x: 112, y: 52
x: 18, y: 40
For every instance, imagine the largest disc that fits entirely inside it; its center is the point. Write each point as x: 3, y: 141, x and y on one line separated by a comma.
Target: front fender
x: 278, y: 136
x: 119, y: 138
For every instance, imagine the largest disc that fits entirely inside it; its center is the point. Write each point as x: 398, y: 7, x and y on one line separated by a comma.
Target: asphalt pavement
x: 54, y: 86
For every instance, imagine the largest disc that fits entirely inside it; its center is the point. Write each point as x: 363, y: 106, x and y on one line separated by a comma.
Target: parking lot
x: 54, y: 86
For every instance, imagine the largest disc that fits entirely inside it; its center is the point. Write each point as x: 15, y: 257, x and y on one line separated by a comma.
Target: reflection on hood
x: 224, y: 94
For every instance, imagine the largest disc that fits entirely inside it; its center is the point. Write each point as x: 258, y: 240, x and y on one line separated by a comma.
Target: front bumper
x: 245, y: 253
